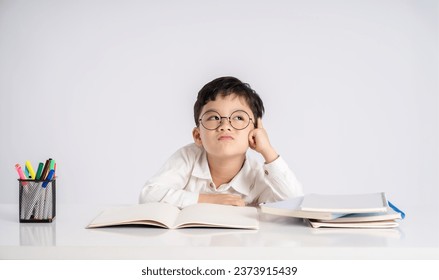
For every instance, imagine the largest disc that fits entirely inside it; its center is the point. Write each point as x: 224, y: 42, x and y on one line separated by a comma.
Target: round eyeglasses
x: 239, y: 120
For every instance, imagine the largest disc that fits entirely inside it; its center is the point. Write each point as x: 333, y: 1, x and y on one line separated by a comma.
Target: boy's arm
x: 259, y: 141
x: 276, y: 174
x: 228, y: 199
x: 276, y: 182
x: 169, y: 183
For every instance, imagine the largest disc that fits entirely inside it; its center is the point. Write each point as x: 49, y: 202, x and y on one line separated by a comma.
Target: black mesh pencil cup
x: 37, y: 200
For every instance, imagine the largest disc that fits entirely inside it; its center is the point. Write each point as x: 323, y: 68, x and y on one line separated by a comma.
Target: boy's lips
x: 225, y: 137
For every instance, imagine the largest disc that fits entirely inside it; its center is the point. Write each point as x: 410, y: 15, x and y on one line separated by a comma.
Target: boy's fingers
x: 238, y: 201
x: 260, y: 123
x: 233, y: 199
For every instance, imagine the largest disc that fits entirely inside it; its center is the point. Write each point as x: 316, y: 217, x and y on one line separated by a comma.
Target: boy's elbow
x: 290, y: 192
x: 143, y: 197
x: 149, y: 194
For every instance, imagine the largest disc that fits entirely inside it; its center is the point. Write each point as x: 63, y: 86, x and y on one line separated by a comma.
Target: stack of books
x: 371, y: 210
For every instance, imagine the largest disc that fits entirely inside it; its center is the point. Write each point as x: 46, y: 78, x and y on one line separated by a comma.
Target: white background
x: 107, y: 88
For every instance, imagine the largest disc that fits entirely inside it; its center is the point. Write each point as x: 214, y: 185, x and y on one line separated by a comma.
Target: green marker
x: 39, y: 171
x: 52, y: 164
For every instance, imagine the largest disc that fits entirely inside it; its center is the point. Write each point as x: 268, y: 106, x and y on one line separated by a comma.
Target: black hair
x: 225, y: 86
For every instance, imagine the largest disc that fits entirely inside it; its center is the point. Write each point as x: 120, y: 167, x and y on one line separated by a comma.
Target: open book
x: 171, y: 217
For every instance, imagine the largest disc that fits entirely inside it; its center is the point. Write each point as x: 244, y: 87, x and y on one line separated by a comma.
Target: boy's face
x: 224, y: 141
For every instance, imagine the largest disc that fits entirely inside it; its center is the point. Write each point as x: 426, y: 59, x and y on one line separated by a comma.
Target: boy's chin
x: 228, y: 152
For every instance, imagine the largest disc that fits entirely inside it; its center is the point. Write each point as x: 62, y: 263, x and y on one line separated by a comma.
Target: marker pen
x: 31, y: 170
x: 39, y: 171
x: 20, y: 172
x: 49, y: 177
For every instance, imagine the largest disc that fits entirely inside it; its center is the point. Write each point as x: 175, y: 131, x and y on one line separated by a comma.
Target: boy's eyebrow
x: 217, y: 111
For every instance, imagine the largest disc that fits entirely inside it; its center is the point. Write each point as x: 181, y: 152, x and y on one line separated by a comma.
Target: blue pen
x: 396, y: 209
x: 26, y: 173
x: 49, y: 177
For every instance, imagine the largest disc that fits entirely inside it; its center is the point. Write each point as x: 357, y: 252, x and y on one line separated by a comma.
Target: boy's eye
x: 239, y: 118
x: 213, y: 118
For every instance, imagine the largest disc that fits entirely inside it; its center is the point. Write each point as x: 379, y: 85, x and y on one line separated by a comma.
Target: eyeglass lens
x: 238, y: 120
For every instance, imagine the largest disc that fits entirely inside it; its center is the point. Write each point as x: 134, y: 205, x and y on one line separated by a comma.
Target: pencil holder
x: 37, y: 201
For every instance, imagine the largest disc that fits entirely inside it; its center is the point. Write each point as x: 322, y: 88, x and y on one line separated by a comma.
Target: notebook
x: 345, y: 203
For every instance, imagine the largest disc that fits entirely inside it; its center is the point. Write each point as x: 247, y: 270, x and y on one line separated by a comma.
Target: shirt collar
x: 201, y: 168
x: 241, y: 182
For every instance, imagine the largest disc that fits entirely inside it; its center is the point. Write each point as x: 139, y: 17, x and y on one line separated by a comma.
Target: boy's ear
x: 197, y: 137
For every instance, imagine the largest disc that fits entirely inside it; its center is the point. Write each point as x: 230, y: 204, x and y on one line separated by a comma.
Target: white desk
x: 277, y: 238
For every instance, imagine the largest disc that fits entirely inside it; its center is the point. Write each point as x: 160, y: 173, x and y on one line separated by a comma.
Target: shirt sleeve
x: 169, y: 183
x: 280, y: 182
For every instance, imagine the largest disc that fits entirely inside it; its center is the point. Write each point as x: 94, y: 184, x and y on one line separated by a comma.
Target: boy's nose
x: 225, y: 125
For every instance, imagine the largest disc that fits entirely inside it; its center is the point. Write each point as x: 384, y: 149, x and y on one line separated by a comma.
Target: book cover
x: 291, y: 208
x: 345, y: 203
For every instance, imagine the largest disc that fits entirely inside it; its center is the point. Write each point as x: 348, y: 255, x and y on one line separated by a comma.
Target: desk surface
x: 277, y: 238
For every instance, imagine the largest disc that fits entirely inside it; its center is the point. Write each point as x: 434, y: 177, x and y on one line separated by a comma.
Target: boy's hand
x: 258, y: 141
x: 228, y: 199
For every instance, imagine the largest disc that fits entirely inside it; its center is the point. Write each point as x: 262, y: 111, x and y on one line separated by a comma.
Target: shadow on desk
x: 153, y: 236
x: 301, y: 234
x: 356, y: 237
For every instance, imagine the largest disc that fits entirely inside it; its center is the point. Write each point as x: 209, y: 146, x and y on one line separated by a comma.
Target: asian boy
x: 215, y: 168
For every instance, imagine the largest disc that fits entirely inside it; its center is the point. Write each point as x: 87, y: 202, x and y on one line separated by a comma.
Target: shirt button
x: 266, y: 172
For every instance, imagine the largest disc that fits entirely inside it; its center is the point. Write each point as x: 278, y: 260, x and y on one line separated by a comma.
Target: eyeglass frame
x: 228, y: 118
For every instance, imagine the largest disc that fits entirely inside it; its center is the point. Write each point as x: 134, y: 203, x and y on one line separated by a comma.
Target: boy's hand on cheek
x: 228, y: 199
x: 258, y: 141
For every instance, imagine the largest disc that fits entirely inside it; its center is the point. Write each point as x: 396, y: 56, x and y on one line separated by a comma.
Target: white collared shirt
x: 186, y: 174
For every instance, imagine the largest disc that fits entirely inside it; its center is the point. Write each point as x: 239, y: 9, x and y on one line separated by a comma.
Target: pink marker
x: 20, y: 173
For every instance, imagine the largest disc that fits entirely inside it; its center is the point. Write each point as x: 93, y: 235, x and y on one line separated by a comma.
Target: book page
x: 376, y: 224
x: 289, y: 204
x: 216, y: 215
x: 159, y: 214
x: 367, y: 217
x: 351, y: 203
x: 291, y: 208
